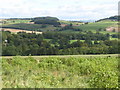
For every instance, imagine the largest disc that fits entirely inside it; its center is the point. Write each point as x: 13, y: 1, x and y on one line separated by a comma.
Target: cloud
x: 64, y: 9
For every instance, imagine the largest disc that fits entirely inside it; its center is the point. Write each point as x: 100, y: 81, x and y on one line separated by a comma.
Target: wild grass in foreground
x: 60, y: 72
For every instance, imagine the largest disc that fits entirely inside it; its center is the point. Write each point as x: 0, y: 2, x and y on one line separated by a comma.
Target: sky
x: 63, y: 9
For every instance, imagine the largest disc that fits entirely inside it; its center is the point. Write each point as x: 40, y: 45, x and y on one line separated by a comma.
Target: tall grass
x: 60, y: 72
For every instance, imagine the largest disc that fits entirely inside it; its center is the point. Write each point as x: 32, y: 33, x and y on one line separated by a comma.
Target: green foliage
x: 46, y: 20
x: 113, y: 18
x: 30, y: 27
x: 57, y: 43
x: 60, y: 72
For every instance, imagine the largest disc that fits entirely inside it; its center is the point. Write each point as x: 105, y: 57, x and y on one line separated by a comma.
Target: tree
x: 9, y: 51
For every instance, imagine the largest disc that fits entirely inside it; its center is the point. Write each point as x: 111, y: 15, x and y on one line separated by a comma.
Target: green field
x: 30, y: 27
x: 7, y: 22
x: 70, y: 22
x: 72, y: 41
x: 97, y: 25
x: 82, y: 71
x: 23, y: 24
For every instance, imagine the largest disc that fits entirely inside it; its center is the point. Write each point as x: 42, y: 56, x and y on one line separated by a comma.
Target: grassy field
x: 8, y: 22
x: 113, y: 38
x: 97, y: 25
x: 31, y: 27
x: 24, y: 24
x: 77, y: 71
x: 72, y: 41
x: 70, y: 22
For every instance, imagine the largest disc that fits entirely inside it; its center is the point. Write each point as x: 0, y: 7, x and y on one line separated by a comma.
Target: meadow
x: 91, y: 26
x: 97, y: 25
x: 8, y: 22
x: 30, y: 27
x: 82, y: 71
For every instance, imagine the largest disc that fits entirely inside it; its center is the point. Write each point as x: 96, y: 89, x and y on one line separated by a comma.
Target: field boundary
x: 46, y: 56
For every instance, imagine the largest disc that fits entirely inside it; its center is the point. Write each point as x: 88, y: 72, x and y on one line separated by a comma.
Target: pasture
x: 15, y: 31
x: 97, y: 25
x: 30, y: 27
x: 93, y: 26
x: 8, y: 22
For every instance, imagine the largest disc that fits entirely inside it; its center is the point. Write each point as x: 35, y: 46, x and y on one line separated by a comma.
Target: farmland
x: 65, y: 54
x: 92, y: 26
x: 15, y: 31
x: 8, y: 22
x: 29, y: 27
x: 60, y: 71
x: 98, y: 25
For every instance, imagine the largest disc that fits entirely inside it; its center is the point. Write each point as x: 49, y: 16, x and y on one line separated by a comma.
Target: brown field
x: 18, y: 30
x: 111, y: 29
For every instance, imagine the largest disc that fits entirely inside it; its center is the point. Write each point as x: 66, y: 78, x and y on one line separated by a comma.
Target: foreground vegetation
x: 60, y: 72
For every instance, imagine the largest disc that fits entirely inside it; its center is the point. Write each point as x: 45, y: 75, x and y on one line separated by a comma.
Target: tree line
x: 57, y: 43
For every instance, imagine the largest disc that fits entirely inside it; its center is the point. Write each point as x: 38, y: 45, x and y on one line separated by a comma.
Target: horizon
x: 86, y: 20
x: 71, y: 10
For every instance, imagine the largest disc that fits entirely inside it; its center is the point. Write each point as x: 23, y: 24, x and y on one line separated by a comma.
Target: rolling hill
x: 54, y: 24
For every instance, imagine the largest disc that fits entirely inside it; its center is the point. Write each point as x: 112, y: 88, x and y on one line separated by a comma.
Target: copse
x: 47, y: 20
x: 43, y: 18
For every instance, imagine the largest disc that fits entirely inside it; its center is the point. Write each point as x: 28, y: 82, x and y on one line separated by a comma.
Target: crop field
x: 31, y: 27
x: 84, y: 71
x: 70, y: 22
x: 97, y: 25
x: 7, y: 22
x: 25, y: 25
x: 15, y: 31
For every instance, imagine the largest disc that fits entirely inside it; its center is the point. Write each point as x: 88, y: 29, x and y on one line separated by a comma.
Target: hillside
x: 112, y: 18
x: 46, y: 52
x: 44, y: 24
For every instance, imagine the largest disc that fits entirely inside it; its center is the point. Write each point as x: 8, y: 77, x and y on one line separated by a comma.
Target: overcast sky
x: 63, y: 9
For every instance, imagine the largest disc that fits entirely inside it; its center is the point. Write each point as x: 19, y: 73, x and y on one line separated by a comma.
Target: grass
x: 21, y: 24
x: 97, y: 25
x: 70, y: 22
x: 113, y: 38
x: 48, y: 40
x: 15, y: 22
x: 60, y: 71
x: 31, y: 27
x: 72, y: 41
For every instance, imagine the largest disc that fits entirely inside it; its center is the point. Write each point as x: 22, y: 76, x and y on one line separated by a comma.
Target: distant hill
x: 112, y: 18
x: 19, y: 18
x: 46, y: 20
